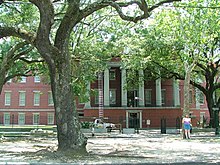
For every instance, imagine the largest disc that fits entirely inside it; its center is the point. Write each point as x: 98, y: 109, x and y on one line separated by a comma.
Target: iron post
x: 216, y: 117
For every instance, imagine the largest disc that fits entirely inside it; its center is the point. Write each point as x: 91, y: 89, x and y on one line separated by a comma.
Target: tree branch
x: 21, y: 53
x: 143, y: 6
x: 26, y: 74
x: 30, y: 61
x: 161, y: 3
x: 70, y: 19
x: 172, y: 73
x: 46, y: 21
x: 16, y: 32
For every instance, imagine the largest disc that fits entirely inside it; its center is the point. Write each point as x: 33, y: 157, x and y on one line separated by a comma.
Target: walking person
x: 187, y: 126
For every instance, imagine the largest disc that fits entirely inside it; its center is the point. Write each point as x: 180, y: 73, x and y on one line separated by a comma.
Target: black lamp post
x: 13, y: 117
x: 216, y: 119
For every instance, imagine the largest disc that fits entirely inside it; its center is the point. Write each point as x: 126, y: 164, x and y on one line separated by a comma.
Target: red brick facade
x: 147, y: 116
x: 26, y: 112
x: 148, y: 113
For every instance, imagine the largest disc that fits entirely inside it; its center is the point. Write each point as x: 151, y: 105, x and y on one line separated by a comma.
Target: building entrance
x: 134, y: 120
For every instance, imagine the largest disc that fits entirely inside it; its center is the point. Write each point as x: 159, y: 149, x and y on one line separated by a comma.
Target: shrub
x: 86, y: 124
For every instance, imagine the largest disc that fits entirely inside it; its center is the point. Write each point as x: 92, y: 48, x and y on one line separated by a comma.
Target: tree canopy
x: 48, y: 26
x: 180, y: 41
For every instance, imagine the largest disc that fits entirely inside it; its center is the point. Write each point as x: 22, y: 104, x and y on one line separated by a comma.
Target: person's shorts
x: 187, y: 126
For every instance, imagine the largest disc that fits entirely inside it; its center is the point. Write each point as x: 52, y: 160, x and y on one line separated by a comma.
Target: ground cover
x: 149, y: 146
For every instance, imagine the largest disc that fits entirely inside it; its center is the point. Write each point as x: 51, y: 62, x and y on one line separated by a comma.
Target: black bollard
x: 163, y: 125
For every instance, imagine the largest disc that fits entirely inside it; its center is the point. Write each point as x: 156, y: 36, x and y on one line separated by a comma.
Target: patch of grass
x: 25, y: 128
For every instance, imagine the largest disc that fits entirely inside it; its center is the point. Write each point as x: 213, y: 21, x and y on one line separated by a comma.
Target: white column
x: 176, y: 93
x: 140, y: 119
x: 158, y: 92
x: 123, y: 90
x: 88, y: 103
x: 127, y: 118
x: 106, y: 87
x: 141, y: 88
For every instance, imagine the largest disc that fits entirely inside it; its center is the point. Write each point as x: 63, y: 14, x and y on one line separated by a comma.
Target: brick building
x: 29, y: 102
x: 142, y: 106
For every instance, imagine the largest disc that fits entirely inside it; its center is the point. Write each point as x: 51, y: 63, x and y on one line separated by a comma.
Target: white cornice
x: 26, y: 110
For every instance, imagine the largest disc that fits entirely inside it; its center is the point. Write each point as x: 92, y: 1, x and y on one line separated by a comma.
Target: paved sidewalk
x: 148, y: 147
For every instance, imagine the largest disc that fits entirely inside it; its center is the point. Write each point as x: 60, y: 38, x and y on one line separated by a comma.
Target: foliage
x: 180, y: 36
x: 86, y: 125
x: 25, y: 61
x: 50, y: 31
x: 12, y: 14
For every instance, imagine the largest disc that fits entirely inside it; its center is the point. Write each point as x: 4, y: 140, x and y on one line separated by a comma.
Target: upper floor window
x: 7, y: 98
x: 23, y: 79
x: 201, y: 98
x: 163, y: 96
x: 22, y: 98
x: 98, y: 96
x: 36, y: 79
x: 36, y: 98
x: 112, y: 74
x: 148, y: 96
x: 50, y: 99
x: 190, y: 97
x: 112, y: 96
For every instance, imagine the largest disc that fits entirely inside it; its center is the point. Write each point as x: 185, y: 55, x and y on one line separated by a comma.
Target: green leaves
x: 19, y: 15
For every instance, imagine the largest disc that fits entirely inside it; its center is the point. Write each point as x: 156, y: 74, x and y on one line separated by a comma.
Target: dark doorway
x: 132, y: 101
x: 134, y: 120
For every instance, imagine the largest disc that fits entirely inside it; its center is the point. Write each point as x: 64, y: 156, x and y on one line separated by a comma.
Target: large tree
x: 199, y: 36
x: 184, y: 43
x: 52, y: 40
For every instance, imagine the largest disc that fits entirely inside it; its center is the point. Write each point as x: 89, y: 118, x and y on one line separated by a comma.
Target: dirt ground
x: 146, y: 147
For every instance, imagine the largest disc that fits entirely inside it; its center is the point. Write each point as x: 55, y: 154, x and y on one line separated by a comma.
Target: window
x: 21, y: 118
x: 112, y: 96
x: 6, y: 118
x: 112, y: 74
x: 7, y: 98
x: 148, y: 96
x: 97, y: 91
x: 23, y: 79
x: 36, y: 79
x: 201, y: 98
x: 50, y: 118
x: 36, y: 118
x: 163, y: 96
x: 50, y: 99
x: 36, y: 98
x: 22, y: 98
x: 190, y: 97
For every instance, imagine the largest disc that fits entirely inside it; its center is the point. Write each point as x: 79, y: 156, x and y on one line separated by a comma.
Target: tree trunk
x: 68, y: 126
x: 186, y: 108
x: 210, y: 103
